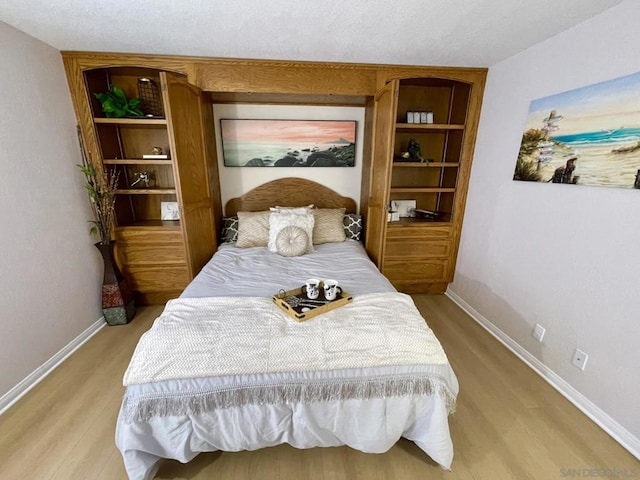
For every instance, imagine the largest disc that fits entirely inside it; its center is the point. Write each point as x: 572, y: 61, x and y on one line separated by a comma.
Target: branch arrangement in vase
x: 101, y: 188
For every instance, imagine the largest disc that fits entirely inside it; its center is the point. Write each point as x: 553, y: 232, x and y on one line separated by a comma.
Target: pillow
x: 292, y: 241
x: 352, y: 226
x: 328, y: 226
x: 253, y: 229
x: 229, y: 231
x: 298, y: 210
x: 279, y: 220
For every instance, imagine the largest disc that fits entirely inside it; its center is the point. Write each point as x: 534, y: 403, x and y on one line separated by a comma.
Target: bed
x: 223, y: 368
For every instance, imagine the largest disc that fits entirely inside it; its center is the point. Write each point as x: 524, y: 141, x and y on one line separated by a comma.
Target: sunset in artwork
x: 288, y: 143
x: 288, y: 131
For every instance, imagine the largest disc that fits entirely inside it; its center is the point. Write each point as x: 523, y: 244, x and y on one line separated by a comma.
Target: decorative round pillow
x: 292, y: 241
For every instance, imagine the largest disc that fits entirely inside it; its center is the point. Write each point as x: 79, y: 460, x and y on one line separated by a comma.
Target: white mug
x: 312, y: 288
x: 331, y: 289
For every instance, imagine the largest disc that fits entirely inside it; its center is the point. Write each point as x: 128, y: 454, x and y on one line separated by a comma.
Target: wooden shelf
x: 425, y: 165
x: 132, y: 121
x: 428, y: 126
x: 146, y: 191
x: 165, y: 224
x: 404, y: 221
x: 422, y: 190
x: 136, y: 161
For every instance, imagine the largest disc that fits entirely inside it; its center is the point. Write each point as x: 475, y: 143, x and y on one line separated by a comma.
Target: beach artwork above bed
x: 288, y: 143
x: 586, y: 136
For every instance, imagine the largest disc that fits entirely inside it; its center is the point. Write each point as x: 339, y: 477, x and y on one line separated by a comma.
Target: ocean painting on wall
x: 288, y: 143
x: 586, y: 136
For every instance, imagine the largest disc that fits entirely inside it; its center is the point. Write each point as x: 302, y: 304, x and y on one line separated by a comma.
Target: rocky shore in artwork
x: 336, y: 156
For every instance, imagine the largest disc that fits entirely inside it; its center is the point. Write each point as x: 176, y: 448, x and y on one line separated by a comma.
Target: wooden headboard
x: 288, y: 192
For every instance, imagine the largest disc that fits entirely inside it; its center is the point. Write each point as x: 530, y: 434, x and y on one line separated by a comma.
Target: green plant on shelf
x: 115, y: 104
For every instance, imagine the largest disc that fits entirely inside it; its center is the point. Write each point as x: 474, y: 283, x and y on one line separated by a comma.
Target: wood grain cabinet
x: 158, y: 256
x: 418, y: 255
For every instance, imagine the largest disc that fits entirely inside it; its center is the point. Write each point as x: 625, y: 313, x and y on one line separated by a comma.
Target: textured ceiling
x: 420, y: 32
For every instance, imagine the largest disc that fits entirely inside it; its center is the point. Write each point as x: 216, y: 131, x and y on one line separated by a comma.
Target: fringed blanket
x: 253, y: 339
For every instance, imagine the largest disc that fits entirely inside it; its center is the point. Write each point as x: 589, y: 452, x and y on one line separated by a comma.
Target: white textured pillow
x: 279, y: 220
x: 298, y: 210
x: 328, y: 226
x: 253, y: 229
x: 292, y: 241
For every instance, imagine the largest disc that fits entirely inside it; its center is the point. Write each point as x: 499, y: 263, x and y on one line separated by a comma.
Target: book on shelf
x: 155, y: 157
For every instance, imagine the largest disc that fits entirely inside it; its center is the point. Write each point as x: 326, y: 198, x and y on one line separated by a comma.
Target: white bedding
x: 257, y: 272
x: 367, y: 407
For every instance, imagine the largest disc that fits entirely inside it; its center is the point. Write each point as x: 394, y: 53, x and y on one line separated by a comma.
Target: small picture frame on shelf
x: 157, y: 153
x: 404, y: 208
x: 169, y: 211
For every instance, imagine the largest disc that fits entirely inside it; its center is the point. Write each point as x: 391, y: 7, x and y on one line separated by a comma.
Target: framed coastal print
x: 288, y: 143
x: 586, y: 136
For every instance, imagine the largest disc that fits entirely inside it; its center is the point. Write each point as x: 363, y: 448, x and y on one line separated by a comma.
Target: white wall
x: 234, y: 181
x: 564, y: 256
x: 49, y: 269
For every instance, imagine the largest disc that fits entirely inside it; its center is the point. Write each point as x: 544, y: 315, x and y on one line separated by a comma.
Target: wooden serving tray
x: 296, y: 312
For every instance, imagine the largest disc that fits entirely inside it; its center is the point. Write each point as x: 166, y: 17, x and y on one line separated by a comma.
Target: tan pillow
x: 328, y: 226
x: 253, y: 229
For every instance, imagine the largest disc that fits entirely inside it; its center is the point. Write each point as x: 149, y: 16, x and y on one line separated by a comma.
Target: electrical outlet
x: 580, y: 359
x: 538, y: 332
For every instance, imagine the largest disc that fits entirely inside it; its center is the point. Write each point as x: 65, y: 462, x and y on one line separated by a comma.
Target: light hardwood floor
x: 509, y: 423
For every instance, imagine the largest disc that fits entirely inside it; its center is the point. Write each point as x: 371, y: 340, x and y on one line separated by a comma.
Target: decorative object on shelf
x: 149, y: 94
x: 393, y: 216
x: 157, y: 153
x: 169, y: 211
x: 142, y: 177
x: 403, y: 207
x: 413, y: 153
x: 118, y: 305
x: 288, y: 143
x: 420, y: 116
x: 427, y: 214
x: 115, y: 104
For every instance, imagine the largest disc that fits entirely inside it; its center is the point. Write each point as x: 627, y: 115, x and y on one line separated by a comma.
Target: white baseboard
x: 17, y: 392
x: 591, y: 410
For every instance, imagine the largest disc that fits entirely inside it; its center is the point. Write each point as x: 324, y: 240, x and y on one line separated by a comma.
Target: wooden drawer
x: 423, y: 230
x: 158, y: 279
x: 149, y: 235
x: 418, y: 270
x: 149, y: 254
x: 402, y: 248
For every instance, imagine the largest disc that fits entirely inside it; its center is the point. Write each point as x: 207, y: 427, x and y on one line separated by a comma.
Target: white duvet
x: 257, y: 272
x: 302, y: 383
